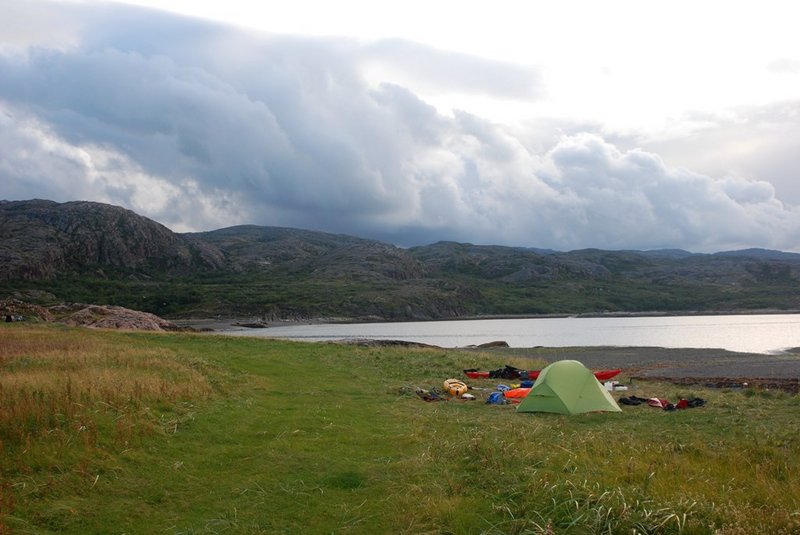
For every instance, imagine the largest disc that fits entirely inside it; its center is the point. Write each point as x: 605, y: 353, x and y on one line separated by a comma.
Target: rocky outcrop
x: 16, y: 310
x: 497, y: 343
x: 114, y: 317
x: 42, y: 239
x: 83, y: 315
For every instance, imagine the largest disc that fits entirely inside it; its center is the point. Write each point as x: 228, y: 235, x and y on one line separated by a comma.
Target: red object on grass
x: 602, y: 375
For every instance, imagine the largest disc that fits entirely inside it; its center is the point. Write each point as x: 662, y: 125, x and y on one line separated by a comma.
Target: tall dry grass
x: 60, y: 380
x: 70, y: 398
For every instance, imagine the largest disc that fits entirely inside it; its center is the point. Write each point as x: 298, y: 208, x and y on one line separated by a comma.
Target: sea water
x: 765, y: 333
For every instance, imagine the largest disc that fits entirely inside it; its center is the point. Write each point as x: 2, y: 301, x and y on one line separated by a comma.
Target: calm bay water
x: 747, y: 333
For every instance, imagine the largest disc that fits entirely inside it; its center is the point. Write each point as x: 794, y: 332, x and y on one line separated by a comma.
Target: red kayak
x: 605, y: 375
x: 602, y: 375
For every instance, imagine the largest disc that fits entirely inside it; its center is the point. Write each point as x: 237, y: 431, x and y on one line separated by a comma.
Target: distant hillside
x: 91, y: 252
x: 765, y: 254
x: 43, y: 239
x: 297, y: 251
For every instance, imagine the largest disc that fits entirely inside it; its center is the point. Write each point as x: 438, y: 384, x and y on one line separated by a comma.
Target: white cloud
x: 37, y: 163
x: 752, y: 142
x: 785, y: 66
x: 433, y: 71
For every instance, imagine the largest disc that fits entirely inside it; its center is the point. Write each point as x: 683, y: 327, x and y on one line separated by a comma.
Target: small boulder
x: 498, y: 343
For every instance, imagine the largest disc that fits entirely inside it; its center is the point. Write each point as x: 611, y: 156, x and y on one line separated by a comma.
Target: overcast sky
x: 558, y: 123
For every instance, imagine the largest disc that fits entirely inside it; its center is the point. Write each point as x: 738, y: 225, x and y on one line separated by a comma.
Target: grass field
x: 116, y: 432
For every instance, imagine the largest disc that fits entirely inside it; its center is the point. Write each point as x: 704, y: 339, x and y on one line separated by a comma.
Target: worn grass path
x: 318, y: 438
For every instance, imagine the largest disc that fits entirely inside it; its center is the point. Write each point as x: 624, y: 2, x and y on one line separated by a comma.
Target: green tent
x: 567, y: 387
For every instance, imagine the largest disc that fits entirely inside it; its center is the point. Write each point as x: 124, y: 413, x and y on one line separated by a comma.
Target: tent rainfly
x: 568, y: 387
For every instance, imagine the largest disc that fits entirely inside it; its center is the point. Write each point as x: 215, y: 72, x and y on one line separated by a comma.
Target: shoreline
x: 250, y: 322
x: 681, y: 366
x: 714, y: 367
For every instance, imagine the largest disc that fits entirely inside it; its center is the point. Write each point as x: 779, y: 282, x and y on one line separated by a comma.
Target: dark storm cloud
x: 200, y: 126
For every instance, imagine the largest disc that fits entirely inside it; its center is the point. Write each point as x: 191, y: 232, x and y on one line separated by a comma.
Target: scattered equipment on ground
x: 454, y: 387
x: 509, y: 373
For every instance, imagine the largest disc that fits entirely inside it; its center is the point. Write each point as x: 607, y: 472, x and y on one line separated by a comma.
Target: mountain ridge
x: 94, y: 252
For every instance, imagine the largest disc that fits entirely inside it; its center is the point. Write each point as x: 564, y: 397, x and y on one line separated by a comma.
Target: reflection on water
x: 747, y: 333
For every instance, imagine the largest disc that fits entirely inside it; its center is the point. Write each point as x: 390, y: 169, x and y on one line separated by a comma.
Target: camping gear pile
x: 453, y: 388
x: 663, y: 403
x: 563, y: 387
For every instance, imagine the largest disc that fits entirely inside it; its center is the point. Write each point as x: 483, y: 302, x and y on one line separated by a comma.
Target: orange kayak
x: 516, y: 393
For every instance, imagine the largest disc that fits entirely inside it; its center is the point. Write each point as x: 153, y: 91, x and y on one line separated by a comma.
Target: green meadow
x: 122, y: 432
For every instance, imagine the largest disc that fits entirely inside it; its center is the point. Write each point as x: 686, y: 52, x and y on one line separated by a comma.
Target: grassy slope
x: 282, y: 437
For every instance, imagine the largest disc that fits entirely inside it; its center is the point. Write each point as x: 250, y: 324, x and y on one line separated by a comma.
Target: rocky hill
x: 91, y: 252
x: 42, y: 239
x: 251, y: 247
